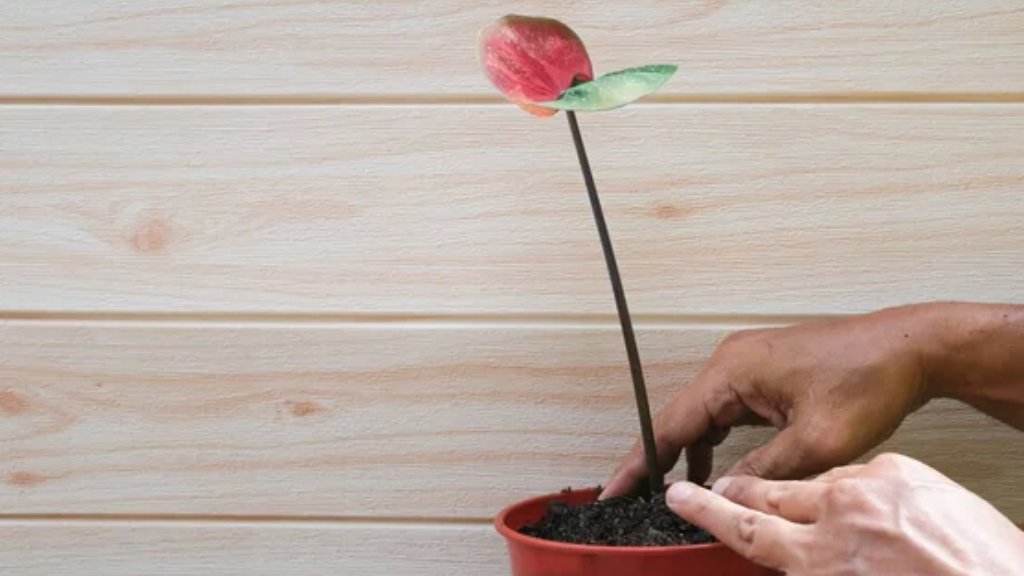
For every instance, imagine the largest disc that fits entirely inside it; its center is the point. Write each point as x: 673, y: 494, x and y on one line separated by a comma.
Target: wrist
x: 934, y: 337
x: 923, y: 334
x: 963, y: 347
x: 942, y: 334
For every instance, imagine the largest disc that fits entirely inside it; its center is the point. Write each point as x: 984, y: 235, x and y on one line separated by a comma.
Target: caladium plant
x: 543, y: 66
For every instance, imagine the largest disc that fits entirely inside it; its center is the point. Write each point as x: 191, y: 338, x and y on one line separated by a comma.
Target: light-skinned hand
x: 893, y: 515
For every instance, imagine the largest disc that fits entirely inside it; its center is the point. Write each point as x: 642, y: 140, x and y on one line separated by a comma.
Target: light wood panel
x: 56, y: 548
x: 295, y: 443
x: 398, y: 48
x: 769, y: 209
x: 363, y: 420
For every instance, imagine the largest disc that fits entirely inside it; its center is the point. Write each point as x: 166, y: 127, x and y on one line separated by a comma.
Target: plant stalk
x: 656, y: 479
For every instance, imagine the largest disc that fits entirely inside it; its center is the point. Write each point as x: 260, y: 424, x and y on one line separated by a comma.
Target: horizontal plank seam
x: 384, y: 521
x: 510, y: 320
x: 473, y: 99
x: 55, y: 520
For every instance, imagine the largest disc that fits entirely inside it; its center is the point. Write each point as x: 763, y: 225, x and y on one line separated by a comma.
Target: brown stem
x: 655, y: 477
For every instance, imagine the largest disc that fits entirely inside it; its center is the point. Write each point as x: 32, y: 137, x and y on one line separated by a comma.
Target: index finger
x: 764, y: 539
x: 681, y: 423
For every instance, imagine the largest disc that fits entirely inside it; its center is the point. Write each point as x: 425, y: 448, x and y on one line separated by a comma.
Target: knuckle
x: 897, y: 468
x: 752, y: 537
x: 747, y: 527
x: 737, y: 490
x: 773, y: 499
x: 667, y: 445
x: 737, y: 340
x: 889, y: 460
x: 747, y: 342
x: 752, y: 466
x: 844, y: 494
x: 719, y: 400
x: 824, y: 444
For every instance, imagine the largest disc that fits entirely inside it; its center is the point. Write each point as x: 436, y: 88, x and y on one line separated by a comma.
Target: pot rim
x: 513, y: 535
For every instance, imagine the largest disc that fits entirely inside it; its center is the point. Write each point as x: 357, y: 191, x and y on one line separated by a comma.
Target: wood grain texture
x: 271, y: 339
x: 776, y: 209
x: 362, y: 420
x: 425, y: 49
x: 55, y: 548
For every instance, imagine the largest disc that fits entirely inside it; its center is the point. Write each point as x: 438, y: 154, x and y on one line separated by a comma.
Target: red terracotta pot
x: 535, y: 557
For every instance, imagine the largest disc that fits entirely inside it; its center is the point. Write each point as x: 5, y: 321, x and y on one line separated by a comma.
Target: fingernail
x: 721, y: 485
x: 679, y: 492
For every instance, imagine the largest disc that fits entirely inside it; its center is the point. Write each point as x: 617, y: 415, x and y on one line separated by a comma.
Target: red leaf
x: 533, y: 59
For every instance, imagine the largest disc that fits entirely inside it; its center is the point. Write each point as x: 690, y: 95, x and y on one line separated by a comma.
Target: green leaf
x: 614, y: 89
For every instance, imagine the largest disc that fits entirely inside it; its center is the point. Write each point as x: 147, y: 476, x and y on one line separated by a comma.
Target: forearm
x: 975, y: 353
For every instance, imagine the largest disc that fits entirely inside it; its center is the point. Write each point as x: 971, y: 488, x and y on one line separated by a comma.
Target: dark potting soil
x: 624, y: 521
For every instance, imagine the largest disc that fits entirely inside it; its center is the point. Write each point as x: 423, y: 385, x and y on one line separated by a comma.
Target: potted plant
x: 543, y: 66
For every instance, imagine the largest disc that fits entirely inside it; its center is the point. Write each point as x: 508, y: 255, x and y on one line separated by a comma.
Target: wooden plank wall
x: 284, y: 288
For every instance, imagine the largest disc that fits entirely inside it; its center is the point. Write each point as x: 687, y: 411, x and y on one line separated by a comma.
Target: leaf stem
x: 656, y: 479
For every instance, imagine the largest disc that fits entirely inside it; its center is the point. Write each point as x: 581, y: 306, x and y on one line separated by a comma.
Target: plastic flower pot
x: 536, y: 557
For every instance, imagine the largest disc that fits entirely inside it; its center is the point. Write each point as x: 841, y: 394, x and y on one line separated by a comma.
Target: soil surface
x: 625, y: 521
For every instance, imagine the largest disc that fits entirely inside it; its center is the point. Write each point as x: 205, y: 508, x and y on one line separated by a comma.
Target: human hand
x: 834, y: 389
x: 893, y: 515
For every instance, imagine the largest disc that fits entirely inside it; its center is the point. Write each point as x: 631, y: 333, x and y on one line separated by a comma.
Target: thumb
x: 788, y: 456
